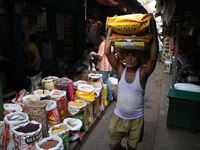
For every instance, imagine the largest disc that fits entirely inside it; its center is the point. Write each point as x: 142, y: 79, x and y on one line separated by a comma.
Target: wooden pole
x: 176, y: 54
x: 1, y: 102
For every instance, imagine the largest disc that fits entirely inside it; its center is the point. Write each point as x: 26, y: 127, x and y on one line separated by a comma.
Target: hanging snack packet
x: 27, y: 135
x: 62, y: 131
x: 60, y: 97
x: 36, y: 111
x: 52, y: 112
x: 11, y: 120
x: 53, y: 142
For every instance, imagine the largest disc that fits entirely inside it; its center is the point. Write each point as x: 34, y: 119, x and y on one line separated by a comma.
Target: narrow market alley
x: 156, y: 134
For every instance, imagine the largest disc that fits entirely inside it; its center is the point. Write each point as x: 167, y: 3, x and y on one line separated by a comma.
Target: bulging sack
x: 27, y: 135
x: 50, y: 143
x: 129, y: 24
x: 131, y: 42
x: 11, y: 120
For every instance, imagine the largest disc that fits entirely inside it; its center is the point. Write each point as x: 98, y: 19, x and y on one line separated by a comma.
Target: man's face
x: 131, y: 59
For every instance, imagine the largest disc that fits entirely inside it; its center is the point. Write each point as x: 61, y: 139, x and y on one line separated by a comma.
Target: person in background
x: 32, y: 56
x: 103, y: 65
x: 48, y: 63
x: 86, y: 61
x: 128, y: 117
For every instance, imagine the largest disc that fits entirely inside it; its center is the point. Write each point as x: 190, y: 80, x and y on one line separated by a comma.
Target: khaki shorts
x: 131, y: 129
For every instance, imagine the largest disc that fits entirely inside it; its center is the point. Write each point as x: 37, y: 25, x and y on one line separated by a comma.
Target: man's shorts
x: 131, y: 129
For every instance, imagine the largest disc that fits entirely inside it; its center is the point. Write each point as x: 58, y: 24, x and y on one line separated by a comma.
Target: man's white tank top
x: 130, y: 99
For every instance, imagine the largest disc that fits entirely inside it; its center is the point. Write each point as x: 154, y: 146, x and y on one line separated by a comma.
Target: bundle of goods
x: 52, y: 113
x: 48, y: 82
x: 95, y: 80
x: 65, y: 84
x: 79, y: 82
x: 36, y: 111
x: 130, y: 32
x: 60, y: 97
x: 85, y: 92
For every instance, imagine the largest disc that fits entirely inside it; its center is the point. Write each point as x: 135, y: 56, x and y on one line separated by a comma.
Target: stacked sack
x: 130, y: 32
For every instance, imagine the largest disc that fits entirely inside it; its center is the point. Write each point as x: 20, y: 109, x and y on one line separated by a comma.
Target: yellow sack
x: 129, y: 24
x: 131, y: 41
x: 85, y: 96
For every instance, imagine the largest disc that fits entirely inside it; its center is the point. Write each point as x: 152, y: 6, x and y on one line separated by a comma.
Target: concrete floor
x: 156, y: 134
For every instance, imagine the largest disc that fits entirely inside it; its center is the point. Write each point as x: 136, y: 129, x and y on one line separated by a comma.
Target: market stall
x: 55, y: 110
x: 181, y: 24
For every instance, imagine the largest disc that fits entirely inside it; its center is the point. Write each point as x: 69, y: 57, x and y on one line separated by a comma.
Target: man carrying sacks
x: 128, y: 117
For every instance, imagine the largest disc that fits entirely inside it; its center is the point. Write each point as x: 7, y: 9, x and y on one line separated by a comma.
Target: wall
x: 38, y: 19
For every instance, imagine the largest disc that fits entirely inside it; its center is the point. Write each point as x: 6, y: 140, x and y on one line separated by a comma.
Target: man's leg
x: 116, y: 146
x: 129, y: 147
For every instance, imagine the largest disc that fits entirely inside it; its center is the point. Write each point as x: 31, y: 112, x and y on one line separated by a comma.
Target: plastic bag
x: 187, y: 87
